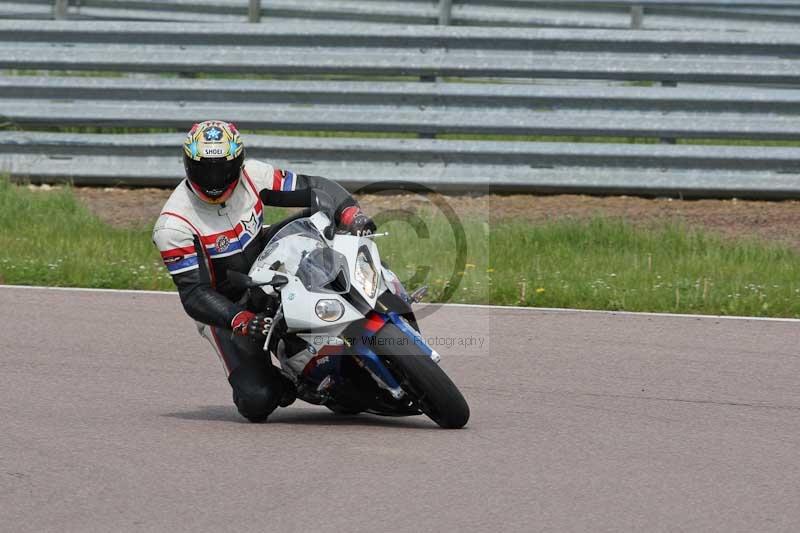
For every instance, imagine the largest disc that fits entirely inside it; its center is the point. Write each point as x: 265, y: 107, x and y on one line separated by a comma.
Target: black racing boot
x: 288, y: 392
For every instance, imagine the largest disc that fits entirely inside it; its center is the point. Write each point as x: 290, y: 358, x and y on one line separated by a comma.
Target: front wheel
x: 423, y: 379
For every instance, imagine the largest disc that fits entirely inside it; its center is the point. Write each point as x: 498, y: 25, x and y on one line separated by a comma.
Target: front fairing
x: 299, y: 250
x: 351, y: 246
x: 316, y: 269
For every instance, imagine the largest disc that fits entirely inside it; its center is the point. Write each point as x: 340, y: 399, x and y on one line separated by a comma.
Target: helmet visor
x: 213, y: 176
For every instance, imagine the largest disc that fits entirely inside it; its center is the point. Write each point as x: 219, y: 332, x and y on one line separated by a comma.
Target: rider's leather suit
x: 200, y: 242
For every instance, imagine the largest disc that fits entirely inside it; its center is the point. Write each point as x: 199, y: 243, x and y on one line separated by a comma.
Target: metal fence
x: 466, y: 109
x: 648, y: 14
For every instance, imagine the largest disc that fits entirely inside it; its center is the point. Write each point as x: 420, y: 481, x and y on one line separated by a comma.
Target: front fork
x: 359, y: 340
x: 371, y: 362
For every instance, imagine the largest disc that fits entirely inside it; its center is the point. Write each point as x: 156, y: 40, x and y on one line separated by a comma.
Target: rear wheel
x: 423, y: 379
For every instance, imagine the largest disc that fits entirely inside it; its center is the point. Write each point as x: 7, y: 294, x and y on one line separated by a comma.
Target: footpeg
x: 325, y: 384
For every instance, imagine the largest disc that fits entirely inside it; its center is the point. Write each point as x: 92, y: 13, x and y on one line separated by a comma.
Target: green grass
x: 49, y: 238
x: 601, y: 264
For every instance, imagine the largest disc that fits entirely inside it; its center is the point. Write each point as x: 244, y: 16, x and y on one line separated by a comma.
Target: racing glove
x: 354, y: 221
x: 248, y: 324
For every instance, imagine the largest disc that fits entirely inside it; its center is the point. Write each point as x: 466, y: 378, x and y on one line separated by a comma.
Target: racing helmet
x: 213, y: 155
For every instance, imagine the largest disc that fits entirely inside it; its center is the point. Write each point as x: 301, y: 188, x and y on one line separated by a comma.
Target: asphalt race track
x: 115, y: 415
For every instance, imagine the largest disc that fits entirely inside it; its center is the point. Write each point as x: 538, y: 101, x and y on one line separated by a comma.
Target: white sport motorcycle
x: 344, y: 331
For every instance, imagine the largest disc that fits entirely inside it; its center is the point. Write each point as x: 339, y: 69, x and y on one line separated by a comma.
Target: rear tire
x: 423, y: 379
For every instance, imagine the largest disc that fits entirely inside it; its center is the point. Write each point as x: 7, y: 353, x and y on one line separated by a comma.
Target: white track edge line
x: 85, y: 289
x: 476, y: 306
x: 623, y: 313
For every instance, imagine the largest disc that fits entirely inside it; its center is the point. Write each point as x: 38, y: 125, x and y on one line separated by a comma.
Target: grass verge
x: 49, y: 238
x: 604, y: 263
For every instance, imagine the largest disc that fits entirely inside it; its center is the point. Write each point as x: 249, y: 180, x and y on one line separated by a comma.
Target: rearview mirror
x: 243, y: 281
x: 278, y: 281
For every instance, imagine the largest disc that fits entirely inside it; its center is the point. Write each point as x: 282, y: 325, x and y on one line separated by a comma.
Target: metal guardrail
x: 475, y: 166
x: 650, y: 14
x: 423, y: 38
x: 428, y: 108
x: 419, y: 51
x: 396, y: 104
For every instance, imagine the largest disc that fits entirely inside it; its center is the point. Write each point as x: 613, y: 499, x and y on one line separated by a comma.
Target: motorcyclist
x: 213, y: 223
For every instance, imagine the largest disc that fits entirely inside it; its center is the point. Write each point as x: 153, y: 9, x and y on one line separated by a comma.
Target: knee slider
x: 254, y: 400
x: 256, y: 405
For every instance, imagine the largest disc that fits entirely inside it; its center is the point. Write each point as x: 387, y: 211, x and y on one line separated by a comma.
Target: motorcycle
x: 343, y: 330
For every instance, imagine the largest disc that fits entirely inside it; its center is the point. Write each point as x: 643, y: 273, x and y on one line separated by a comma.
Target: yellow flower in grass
x: 539, y: 290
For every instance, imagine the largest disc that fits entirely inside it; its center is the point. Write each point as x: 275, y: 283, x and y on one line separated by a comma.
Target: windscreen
x: 299, y: 250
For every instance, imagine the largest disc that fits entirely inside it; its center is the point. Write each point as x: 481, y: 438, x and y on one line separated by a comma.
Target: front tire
x: 423, y: 379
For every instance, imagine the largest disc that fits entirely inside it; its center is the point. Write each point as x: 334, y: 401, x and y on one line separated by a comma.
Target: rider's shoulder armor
x: 224, y: 230
x: 265, y: 176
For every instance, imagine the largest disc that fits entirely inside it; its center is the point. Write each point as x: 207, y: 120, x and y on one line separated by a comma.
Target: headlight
x: 366, y: 275
x: 329, y: 310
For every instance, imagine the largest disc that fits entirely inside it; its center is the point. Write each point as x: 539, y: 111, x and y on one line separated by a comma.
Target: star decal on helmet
x: 213, y: 134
